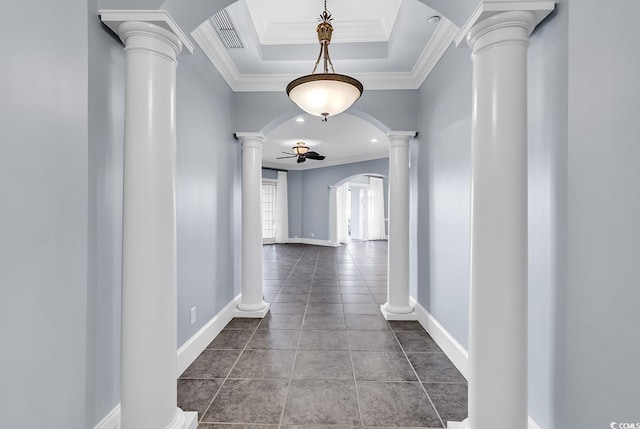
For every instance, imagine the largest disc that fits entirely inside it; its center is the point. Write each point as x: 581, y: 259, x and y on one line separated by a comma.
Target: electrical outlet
x: 193, y: 316
x: 312, y: 235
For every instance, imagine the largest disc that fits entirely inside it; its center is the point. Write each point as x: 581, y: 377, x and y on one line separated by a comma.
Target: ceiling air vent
x: 226, y: 30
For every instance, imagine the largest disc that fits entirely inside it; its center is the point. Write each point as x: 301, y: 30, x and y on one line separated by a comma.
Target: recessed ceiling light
x: 374, y: 140
x: 299, y: 119
x: 434, y: 19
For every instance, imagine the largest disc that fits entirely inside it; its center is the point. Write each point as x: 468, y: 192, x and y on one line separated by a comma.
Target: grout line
x: 229, y: 373
x: 353, y: 367
x: 349, y: 259
x: 241, y: 352
x: 418, y: 377
x: 295, y: 355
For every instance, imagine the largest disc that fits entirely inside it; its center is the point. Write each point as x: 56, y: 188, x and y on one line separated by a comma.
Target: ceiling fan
x: 303, y: 153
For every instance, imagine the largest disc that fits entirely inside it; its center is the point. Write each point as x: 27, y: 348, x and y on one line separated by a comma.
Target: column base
x: 252, y: 311
x: 191, y: 420
x: 391, y: 312
x: 184, y: 420
x: 458, y: 425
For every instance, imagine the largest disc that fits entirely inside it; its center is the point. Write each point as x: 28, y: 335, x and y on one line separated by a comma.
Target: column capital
x: 247, y: 140
x: 158, y: 22
x: 488, y: 8
x: 505, y: 27
x: 400, y: 138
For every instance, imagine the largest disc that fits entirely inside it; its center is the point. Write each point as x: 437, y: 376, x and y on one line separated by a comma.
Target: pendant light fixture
x: 324, y: 94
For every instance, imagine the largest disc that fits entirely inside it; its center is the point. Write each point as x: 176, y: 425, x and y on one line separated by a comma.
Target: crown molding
x: 112, y: 18
x: 390, y: 17
x: 487, y: 8
x: 207, y: 38
x: 438, y: 44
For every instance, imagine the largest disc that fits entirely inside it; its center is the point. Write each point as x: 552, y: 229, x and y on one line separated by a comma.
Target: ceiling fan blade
x: 314, y: 155
x: 289, y: 153
x: 283, y: 157
x: 301, y: 159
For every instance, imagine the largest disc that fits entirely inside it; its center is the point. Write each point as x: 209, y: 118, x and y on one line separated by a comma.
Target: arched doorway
x: 358, y: 209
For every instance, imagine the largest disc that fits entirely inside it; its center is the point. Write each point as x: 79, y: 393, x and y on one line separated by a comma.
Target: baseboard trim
x: 533, y: 424
x: 185, y: 357
x: 313, y: 242
x: 452, y: 348
x: 201, y: 339
x: 111, y: 420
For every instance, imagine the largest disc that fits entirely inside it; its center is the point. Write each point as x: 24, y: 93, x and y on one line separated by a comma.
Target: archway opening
x: 358, y: 209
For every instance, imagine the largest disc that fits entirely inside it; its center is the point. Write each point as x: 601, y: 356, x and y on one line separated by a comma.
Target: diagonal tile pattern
x: 324, y: 355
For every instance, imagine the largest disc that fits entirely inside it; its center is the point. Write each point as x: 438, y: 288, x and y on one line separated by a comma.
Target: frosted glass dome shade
x: 324, y: 94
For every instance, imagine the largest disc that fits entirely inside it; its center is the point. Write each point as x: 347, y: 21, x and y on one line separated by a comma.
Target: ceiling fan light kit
x: 324, y: 94
x: 300, y: 149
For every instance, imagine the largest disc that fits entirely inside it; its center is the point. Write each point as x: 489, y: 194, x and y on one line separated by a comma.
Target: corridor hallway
x: 323, y: 355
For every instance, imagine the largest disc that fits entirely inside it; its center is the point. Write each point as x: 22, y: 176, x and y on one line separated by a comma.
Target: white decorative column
x: 333, y: 215
x: 398, y: 305
x: 251, y: 304
x: 149, y: 283
x: 498, y: 295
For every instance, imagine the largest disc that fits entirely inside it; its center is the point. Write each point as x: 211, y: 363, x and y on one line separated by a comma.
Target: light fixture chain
x: 327, y: 58
x: 318, y: 61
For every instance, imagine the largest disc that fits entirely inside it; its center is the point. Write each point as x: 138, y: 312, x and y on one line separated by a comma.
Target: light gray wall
x: 442, y: 161
x: 313, y: 197
x: 106, y: 129
x: 208, y: 187
x: 268, y: 173
x: 601, y: 343
x: 547, y: 193
x: 44, y: 219
x: 60, y: 246
x: 295, y: 200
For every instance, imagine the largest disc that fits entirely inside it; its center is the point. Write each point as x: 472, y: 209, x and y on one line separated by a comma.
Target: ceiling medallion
x: 324, y: 94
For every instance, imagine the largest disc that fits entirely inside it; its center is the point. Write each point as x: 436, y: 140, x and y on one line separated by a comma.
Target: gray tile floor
x: 323, y: 356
